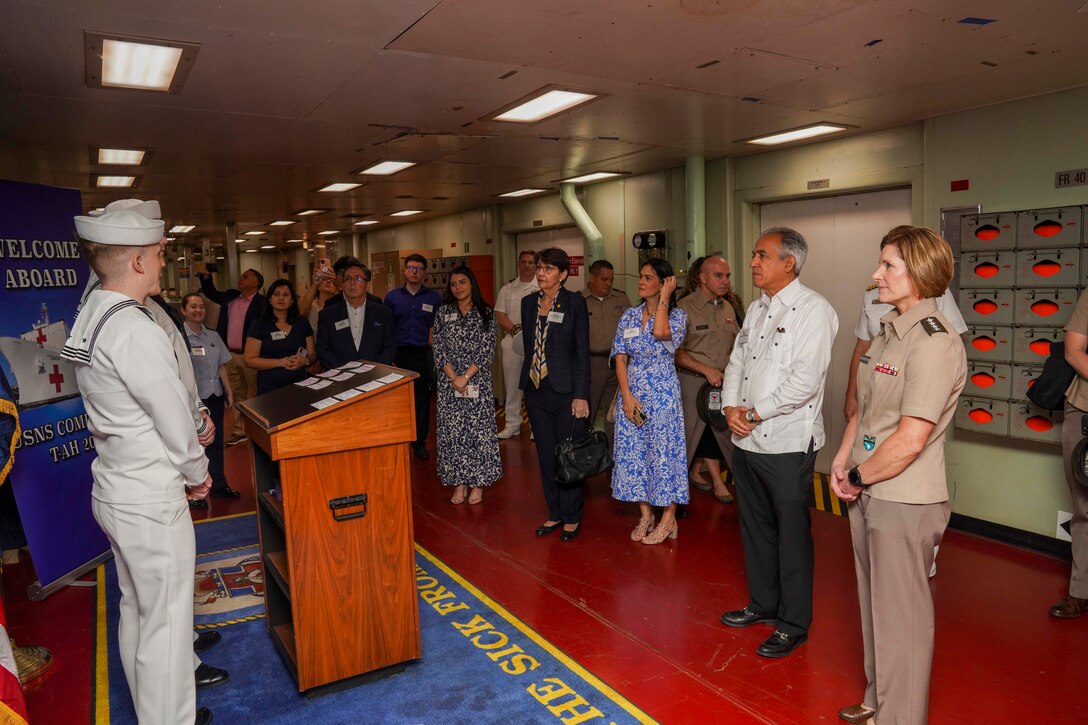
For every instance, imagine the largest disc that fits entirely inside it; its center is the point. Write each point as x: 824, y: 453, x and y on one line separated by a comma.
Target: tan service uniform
x: 604, y: 318
x: 1076, y: 407
x: 916, y: 368
x: 711, y: 332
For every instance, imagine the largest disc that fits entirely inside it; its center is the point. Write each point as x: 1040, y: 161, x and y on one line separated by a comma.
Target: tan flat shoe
x: 458, y: 495
x: 476, y: 496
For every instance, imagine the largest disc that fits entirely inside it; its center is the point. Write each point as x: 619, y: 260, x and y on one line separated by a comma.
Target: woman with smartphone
x: 279, y: 343
x: 650, y: 452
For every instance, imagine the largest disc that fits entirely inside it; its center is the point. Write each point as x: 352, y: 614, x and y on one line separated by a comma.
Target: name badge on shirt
x: 630, y: 333
x: 555, y: 317
x: 471, y: 391
x: 428, y: 308
x: 279, y: 335
x: 702, y: 327
x: 196, y: 351
x: 451, y: 317
x: 342, y: 324
x: 864, y: 359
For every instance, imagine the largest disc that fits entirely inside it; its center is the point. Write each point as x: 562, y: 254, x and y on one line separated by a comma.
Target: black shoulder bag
x: 578, y: 460
x: 1048, y: 391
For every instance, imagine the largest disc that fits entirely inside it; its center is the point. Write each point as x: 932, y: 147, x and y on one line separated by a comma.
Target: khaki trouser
x: 1078, y: 526
x: 243, y: 381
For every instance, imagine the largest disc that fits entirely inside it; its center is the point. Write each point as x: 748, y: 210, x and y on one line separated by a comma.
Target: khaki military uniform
x: 1076, y: 407
x: 916, y: 368
x: 604, y: 318
x: 711, y: 332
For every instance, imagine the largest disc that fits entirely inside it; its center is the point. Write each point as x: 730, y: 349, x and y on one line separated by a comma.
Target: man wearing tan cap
x: 149, y: 461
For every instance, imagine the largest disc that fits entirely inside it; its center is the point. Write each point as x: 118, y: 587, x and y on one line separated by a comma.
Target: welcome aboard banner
x: 43, y: 275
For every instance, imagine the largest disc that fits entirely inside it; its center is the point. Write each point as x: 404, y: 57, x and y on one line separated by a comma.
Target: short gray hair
x: 792, y: 244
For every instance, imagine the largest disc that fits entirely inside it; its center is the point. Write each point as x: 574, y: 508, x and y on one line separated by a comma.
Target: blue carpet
x: 480, y: 664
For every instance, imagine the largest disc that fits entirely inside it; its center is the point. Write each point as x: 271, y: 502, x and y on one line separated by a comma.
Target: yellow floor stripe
x: 101, y: 664
x: 224, y: 518
x: 541, y: 642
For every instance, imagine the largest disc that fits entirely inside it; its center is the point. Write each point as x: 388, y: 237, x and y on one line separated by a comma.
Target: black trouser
x: 551, y: 420
x: 420, y: 359
x: 775, y: 528
x: 214, y: 452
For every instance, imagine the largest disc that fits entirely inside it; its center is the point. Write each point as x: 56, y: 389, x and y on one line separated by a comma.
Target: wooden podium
x: 335, y: 517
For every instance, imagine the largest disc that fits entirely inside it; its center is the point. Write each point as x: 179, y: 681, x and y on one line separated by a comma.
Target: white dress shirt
x: 869, y: 326
x: 779, y: 367
x: 508, y: 301
x: 356, y: 315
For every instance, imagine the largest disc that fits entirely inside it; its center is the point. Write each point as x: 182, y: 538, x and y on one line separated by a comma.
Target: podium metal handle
x: 345, y: 502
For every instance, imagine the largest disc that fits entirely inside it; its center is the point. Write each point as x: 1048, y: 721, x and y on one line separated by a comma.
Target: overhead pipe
x: 695, y: 195
x: 594, y: 238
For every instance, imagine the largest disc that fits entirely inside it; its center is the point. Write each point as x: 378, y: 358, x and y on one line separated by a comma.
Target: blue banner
x: 44, y: 275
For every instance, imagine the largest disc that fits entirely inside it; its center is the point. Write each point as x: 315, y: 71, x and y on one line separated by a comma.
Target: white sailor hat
x: 149, y: 209
x: 121, y: 228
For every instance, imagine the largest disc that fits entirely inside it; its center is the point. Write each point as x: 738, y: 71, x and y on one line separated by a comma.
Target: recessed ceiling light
x: 269, y: 246
x: 796, y: 134
x: 546, y: 104
x: 407, y: 212
x: 590, y: 178
x: 293, y: 241
x: 385, y: 168
x: 114, y: 181
x: 220, y: 257
x: 329, y: 233
x: 241, y: 241
x: 170, y: 239
x: 120, y: 157
x: 251, y: 251
x: 523, y: 192
x: 182, y: 228
x: 334, y: 188
x: 147, y: 64
x: 310, y: 212
x: 366, y: 223
x: 281, y: 223
x: 254, y: 233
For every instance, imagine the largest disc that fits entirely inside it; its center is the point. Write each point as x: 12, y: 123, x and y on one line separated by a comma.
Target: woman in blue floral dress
x: 651, y: 465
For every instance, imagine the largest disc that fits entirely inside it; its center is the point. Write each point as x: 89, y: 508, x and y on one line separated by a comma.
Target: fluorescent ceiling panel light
x: 114, y: 181
x: 220, y: 257
x: 281, y: 223
x: 311, y: 212
x: 293, y: 241
x: 796, y: 134
x: 328, y: 233
x: 385, y: 168
x: 407, y: 212
x: 269, y: 246
x: 251, y: 251
x: 590, y: 178
x: 366, y: 223
x: 146, y: 64
x: 182, y: 228
x: 544, y: 105
x: 121, y: 157
x: 523, y: 192
x: 254, y: 233
x: 170, y: 239
x: 334, y: 188
x: 241, y: 241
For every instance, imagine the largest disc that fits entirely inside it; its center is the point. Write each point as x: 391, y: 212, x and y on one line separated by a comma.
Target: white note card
x: 325, y: 403
x: 367, y: 387
x: 391, y: 377
x: 349, y: 393
x: 350, y: 365
x: 307, y: 382
x: 321, y: 384
x: 345, y: 376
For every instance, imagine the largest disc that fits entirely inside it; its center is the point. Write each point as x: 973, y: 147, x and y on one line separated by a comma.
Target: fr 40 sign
x: 1073, y: 177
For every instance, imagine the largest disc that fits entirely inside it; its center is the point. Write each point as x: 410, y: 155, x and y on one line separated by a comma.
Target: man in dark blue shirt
x: 414, y: 307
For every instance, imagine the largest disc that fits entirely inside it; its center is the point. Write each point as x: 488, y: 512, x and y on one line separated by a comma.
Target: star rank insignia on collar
x: 932, y: 326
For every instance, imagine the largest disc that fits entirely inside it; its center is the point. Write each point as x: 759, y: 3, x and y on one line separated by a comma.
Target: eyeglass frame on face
x: 547, y: 268
x: 357, y: 278
x: 414, y: 268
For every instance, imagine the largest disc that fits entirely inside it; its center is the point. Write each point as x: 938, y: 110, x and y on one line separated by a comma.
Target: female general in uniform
x: 279, y: 343
x: 891, y: 466
x: 464, y: 349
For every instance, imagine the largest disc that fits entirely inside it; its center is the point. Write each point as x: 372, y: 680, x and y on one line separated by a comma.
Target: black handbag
x: 578, y: 460
x: 1048, y: 390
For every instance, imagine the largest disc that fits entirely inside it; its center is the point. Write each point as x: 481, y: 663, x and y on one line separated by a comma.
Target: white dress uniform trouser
x: 155, y: 551
x: 513, y: 357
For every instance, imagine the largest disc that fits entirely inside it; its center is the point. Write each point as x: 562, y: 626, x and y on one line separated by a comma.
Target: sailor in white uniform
x: 149, y: 461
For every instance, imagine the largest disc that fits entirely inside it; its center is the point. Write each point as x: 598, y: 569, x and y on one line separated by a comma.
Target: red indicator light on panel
x: 1039, y: 424
x: 1049, y: 228
x: 1046, y: 268
x: 983, y: 380
x: 987, y: 270
x: 987, y: 233
x: 985, y: 307
x: 1040, y: 347
x: 1044, y: 308
x: 980, y: 416
x: 984, y: 344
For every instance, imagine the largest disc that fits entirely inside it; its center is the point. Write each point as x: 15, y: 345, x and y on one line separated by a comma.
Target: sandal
x: 701, y: 485
x: 724, y: 497
x: 476, y: 496
x: 660, y: 534
x: 644, y: 527
x: 459, y: 495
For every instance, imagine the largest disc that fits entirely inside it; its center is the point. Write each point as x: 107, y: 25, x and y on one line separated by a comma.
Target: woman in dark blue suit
x: 555, y: 378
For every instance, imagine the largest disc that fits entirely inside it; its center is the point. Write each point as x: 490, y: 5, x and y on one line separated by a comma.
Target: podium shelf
x: 273, y: 506
x: 276, y: 564
x: 284, y: 640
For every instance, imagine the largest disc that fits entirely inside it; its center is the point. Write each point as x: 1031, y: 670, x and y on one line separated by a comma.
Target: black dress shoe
x: 203, y: 716
x: 420, y: 451
x: 225, y: 492
x: 545, y: 529
x: 781, y: 644
x: 206, y: 640
x: 198, y: 503
x: 571, y: 535
x: 745, y: 617
x: 208, y: 676
x: 682, y: 513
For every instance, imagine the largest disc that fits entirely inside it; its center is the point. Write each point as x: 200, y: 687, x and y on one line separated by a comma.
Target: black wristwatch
x: 854, y: 476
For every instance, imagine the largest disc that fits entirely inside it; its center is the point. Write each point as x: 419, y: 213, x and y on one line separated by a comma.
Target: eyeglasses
x: 356, y: 278
x: 414, y: 268
x: 547, y: 268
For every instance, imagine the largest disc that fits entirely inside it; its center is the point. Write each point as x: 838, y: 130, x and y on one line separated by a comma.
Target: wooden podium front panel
x: 353, y: 582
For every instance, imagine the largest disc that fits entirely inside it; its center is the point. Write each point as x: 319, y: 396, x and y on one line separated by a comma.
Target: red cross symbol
x: 56, y: 378
x: 41, y: 338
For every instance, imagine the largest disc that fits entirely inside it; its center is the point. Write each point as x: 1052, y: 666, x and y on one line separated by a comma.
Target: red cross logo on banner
x: 41, y: 338
x: 56, y: 378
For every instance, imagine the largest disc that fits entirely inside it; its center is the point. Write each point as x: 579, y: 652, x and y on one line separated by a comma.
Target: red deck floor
x: 645, y: 619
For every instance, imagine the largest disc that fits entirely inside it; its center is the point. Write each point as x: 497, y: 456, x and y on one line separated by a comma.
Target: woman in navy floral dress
x: 651, y: 464
x: 464, y: 348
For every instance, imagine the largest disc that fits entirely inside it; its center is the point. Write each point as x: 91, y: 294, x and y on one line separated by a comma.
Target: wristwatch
x: 750, y: 415
x: 854, y: 476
